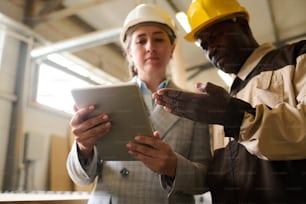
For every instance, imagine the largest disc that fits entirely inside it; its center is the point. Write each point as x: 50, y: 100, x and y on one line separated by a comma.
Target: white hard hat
x: 146, y: 13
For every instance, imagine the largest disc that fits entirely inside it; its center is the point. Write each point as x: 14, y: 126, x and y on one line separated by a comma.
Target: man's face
x: 226, y: 45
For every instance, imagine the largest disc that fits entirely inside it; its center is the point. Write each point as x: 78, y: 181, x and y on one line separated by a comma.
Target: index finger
x: 169, y: 92
x: 81, y: 114
x: 145, y: 140
x: 173, y: 97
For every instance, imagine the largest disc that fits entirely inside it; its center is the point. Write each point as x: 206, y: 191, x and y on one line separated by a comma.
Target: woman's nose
x: 150, y: 46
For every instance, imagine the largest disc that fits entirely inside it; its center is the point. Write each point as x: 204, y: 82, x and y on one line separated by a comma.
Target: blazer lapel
x: 162, y: 120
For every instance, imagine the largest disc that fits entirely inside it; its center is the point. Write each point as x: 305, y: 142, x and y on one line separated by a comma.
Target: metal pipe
x: 79, y: 43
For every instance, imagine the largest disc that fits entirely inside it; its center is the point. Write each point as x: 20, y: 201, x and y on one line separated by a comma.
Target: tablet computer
x: 128, y: 114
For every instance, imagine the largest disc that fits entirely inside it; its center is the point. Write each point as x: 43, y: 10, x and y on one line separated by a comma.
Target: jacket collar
x: 254, y: 59
x: 159, y: 114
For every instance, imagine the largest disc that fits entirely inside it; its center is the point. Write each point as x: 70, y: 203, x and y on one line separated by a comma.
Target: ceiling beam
x: 78, y: 43
x: 63, y: 13
x: 28, y: 12
x: 82, y: 42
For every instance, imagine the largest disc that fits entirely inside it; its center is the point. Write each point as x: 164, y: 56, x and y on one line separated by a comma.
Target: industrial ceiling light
x: 181, y: 17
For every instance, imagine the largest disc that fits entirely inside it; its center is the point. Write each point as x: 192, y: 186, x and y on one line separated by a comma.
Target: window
x: 58, y: 75
x: 54, y: 87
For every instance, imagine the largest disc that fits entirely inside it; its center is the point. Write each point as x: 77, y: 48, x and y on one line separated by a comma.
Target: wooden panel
x: 59, y: 179
x: 75, y: 186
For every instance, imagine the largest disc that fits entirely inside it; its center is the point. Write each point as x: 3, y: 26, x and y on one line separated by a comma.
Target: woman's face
x: 150, y: 50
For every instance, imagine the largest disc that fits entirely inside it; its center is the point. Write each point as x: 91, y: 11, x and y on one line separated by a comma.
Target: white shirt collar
x: 254, y: 59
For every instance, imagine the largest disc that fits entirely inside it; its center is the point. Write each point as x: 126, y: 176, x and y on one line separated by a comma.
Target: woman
x: 172, y: 165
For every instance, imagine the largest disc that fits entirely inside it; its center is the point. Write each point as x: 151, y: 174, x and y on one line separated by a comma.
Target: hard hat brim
x: 144, y: 20
x: 191, y: 35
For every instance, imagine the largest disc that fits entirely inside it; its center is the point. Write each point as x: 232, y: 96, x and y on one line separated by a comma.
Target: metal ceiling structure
x: 78, y: 43
x: 277, y: 21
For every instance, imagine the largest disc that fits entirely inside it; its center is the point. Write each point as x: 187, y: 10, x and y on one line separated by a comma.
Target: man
x: 263, y: 117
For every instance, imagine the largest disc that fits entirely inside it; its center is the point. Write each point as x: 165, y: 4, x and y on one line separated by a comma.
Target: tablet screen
x: 128, y: 114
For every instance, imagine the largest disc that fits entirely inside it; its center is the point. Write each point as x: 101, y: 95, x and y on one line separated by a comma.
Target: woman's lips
x: 151, y: 58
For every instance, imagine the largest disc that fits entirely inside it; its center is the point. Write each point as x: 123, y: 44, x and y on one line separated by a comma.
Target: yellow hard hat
x: 146, y: 13
x: 203, y: 13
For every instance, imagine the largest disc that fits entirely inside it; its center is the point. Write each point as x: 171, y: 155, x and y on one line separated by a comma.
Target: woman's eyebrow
x: 154, y: 33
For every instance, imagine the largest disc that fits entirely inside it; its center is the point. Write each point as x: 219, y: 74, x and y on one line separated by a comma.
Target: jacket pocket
x: 270, y: 88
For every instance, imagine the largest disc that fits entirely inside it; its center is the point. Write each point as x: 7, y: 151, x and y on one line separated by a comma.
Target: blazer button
x: 124, y: 172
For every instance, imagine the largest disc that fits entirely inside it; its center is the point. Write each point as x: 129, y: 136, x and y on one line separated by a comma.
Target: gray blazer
x: 131, y: 182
